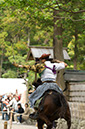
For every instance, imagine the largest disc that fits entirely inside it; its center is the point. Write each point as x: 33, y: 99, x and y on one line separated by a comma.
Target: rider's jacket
x: 48, y: 72
x: 45, y: 69
x: 39, y: 68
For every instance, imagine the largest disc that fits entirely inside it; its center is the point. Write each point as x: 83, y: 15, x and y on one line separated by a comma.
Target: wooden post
x: 11, y: 119
x: 5, y: 125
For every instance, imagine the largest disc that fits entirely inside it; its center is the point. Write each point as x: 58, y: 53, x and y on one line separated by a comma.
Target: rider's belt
x: 49, y: 81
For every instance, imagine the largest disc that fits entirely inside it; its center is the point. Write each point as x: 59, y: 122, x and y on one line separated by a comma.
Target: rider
x: 47, y: 71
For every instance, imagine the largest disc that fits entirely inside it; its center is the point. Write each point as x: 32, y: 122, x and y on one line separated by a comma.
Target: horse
x: 53, y: 106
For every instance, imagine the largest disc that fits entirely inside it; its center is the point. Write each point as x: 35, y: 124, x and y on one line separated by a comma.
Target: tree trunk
x: 28, y: 37
x: 1, y: 62
x: 75, y: 58
x: 58, y: 46
x: 75, y: 51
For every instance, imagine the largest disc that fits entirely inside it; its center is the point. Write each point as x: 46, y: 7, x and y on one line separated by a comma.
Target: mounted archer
x: 48, y: 74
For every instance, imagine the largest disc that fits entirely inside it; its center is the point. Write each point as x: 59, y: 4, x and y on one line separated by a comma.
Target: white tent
x: 10, y: 85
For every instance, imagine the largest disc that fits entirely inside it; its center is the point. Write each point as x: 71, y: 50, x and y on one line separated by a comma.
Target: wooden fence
x: 76, y: 98
x: 76, y: 92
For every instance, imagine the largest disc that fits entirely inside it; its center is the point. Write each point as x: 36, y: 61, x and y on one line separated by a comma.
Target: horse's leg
x: 68, y: 117
x: 54, y: 125
x: 45, y: 118
x: 49, y: 127
x: 40, y: 124
x: 68, y: 122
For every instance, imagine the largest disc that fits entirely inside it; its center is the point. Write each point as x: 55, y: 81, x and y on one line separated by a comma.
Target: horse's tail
x: 64, y: 103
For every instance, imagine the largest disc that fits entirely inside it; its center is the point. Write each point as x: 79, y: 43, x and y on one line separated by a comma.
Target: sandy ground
x: 16, y: 126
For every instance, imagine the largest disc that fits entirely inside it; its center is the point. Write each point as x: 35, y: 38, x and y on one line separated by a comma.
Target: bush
x: 10, y: 74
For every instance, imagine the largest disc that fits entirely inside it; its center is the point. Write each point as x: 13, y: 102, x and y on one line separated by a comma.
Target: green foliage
x: 10, y: 74
x: 20, y: 18
x: 80, y: 51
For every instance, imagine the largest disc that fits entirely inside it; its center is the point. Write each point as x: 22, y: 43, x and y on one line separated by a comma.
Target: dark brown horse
x: 53, y: 106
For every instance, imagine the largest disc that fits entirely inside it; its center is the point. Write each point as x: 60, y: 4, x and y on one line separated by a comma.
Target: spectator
x: 16, y: 92
x: 19, y: 112
x: 25, y: 115
x: 0, y: 102
x: 14, y: 102
x: 4, y: 108
x: 19, y: 96
x: 9, y: 102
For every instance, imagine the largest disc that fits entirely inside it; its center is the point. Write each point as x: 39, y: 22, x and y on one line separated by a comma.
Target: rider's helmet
x: 44, y: 56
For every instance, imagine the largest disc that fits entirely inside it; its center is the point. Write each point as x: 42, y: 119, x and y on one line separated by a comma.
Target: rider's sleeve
x: 39, y: 68
x: 59, y: 66
x: 33, y: 67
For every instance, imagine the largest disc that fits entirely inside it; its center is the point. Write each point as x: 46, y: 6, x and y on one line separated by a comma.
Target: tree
x: 13, y: 37
x: 51, y: 22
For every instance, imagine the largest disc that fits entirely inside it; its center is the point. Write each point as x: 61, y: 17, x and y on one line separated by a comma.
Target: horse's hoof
x: 53, y: 128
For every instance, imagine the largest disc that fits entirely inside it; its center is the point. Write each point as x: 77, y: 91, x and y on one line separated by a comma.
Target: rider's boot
x: 34, y: 115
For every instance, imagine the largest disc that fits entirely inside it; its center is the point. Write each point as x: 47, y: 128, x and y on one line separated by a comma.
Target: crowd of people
x: 12, y: 103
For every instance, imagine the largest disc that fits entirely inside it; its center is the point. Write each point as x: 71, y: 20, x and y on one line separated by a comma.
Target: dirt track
x: 62, y: 124
x: 75, y: 124
x: 17, y: 126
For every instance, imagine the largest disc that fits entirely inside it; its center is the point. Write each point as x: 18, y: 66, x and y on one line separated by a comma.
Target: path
x: 17, y: 126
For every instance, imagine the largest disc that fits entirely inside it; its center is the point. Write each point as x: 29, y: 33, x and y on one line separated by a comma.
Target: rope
x: 10, y: 112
